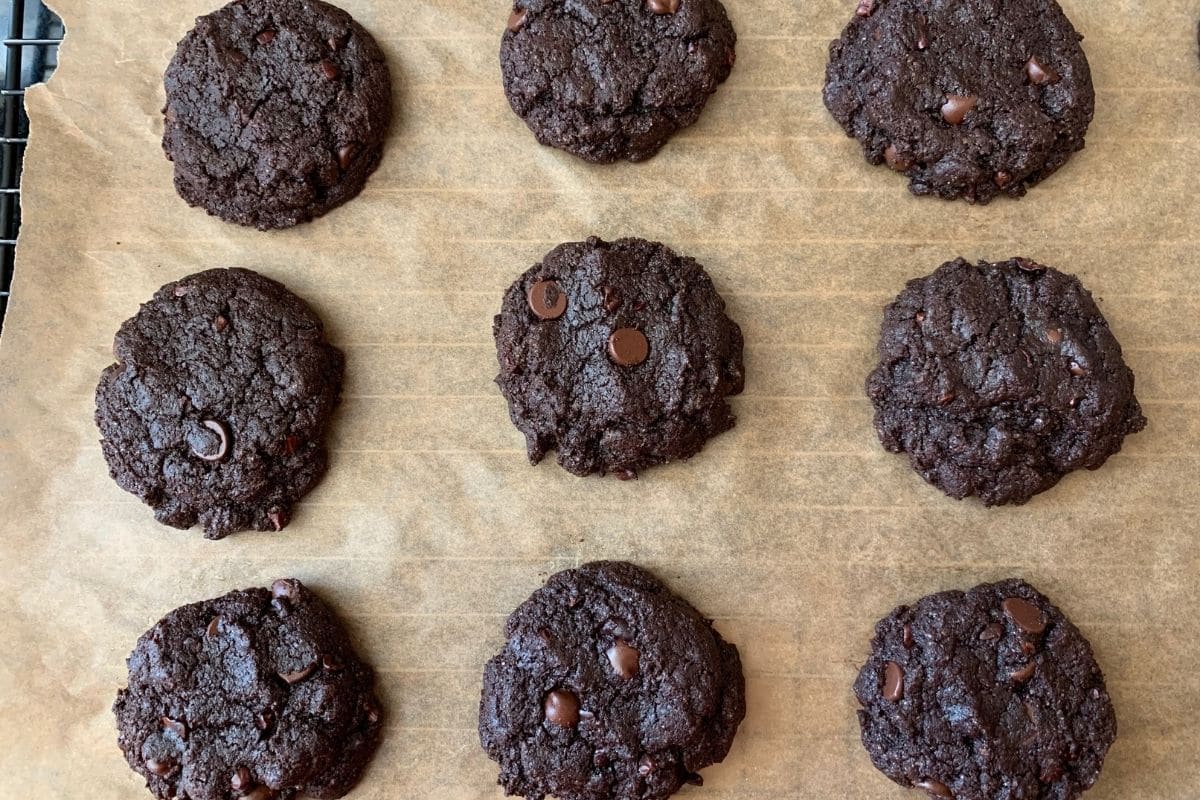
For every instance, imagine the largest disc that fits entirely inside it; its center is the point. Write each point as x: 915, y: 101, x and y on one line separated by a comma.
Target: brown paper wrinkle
x: 795, y: 531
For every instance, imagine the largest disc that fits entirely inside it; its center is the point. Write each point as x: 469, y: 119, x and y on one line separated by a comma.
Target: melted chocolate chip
x: 266, y: 37
x: 935, y: 788
x: 562, y: 709
x: 547, y: 300
x: 330, y: 70
x: 893, y: 682
x: 957, y: 106
x: 628, y: 347
x: 623, y: 658
x: 1024, y: 614
x: 1038, y: 74
x: 299, y: 675
x: 516, y: 20
x: 662, y: 6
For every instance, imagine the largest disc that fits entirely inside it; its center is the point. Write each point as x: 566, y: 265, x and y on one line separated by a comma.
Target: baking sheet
x: 795, y: 531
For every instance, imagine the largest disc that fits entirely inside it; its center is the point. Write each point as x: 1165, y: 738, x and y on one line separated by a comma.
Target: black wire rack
x: 28, y: 60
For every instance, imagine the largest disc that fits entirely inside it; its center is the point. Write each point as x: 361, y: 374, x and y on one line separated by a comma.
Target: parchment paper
x: 795, y: 531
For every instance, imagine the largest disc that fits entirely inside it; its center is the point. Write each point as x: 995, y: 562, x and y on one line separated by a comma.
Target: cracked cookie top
x: 256, y: 695
x: 999, y: 379
x: 618, y: 355
x: 609, y: 687
x: 276, y: 111
x: 613, y: 79
x: 215, y: 411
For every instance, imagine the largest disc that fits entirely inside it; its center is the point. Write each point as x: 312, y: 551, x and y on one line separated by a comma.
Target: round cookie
x: 216, y: 408
x: 999, y: 379
x: 619, y: 355
x: 255, y: 695
x: 613, y: 79
x: 609, y: 688
x: 985, y: 694
x: 966, y: 99
x: 276, y: 111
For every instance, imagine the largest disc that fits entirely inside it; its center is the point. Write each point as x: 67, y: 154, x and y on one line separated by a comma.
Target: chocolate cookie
x: 983, y: 695
x: 613, y: 79
x: 966, y: 98
x: 999, y: 379
x: 609, y: 688
x: 216, y: 407
x: 276, y: 111
x: 256, y: 695
x: 619, y: 355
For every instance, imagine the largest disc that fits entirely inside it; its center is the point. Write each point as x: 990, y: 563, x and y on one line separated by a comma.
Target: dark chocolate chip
x: 266, y: 37
x: 1024, y: 673
x: 332, y: 663
x: 957, y: 106
x: 562, y: 709
x: 223, y: 441
x: 220, y: 324
x: 290, y: 444
x: 908, y: 637
x: 299, y: 675
x: 174, y: 726
x: 624, y: 659
x: 896, y: 160
x: 547, y: 300
x: 330, y: 70
x: 992, y: 632
x: 662, y: 6
x: 373, y: 712
x: 946, y: 398
x: 284, y: 589
x: 645, y: 766
x: 935, y: 788
x: 160, y: 766
x: 612, y: 299
x: 1024, y: 614
x: 336, y: 43
x: 628, y: 347
x: 181, y: 289
x: 346, y: 154
x: 1002, y: 178
x: 893, y: 681
x: 241, y: 780
x: 1030, y: 266
x: 214, y: 625
x: 516, y: 20
x: 265, y: 719
x: 1077, y: 370
x: 1038, y: 74
x: 865, y: 8
x: 278, y: 518
x: 919, y: 316
x: 1053, y: 335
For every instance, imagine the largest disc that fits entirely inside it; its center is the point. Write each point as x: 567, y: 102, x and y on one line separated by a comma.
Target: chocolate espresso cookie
x: 276, y: 111
x: 617, y: 354
x: 609, y: 688
x: 613, y: 79
x: 968, y: 98
x: 999, y: 379
x: 216, y: 409
x: 985, y: 694
x: 256, y: 695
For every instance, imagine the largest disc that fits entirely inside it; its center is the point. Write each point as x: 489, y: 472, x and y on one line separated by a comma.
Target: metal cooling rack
x: 29, y: 60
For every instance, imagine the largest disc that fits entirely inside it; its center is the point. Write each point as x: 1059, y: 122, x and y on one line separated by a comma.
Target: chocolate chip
x: 285, y: 589
x: 241, y: 780
x: 1024, y: 673
x: 330, y: 70
x: 662, y: 6
x: 992, y: 632
x: 1053, y: 335
x: 174, y: 726
x: 612, y: 299
x: 1024, y: 614
x: 220, y: 324
x: 159, y: 766
x: 865, y: 8
x: 336, y: 43
x: 278, y: 519
x: 562, y: 709
x: 223, y: 444
x: 332, y: 663
x: 299, y: 675
x: 265, y: 719
x: 624, y: 659
x: 1030, y: 266
x: 290, y: 444
x: 1077, y: 370
x: 1028, y: 648
x: 935, y: 788
x: 946, y: 398
x: 908, y: 637
x: 628, y: 347
x: 516, y: 20
x: 893, y: 681
x: 625, y: 474
x: 919, y: 316
x: 645, y: 766
x: 1038, y: 74
x: 957, y: 106
x: 346, y: 154
x: 1002, y: 179
x: 373, y: 712
x: 237, y: 57
x: 181, y: 289
x: 214, y: 625
x: 896, y: 160
x: 266, y: 37
x: 547, y: 300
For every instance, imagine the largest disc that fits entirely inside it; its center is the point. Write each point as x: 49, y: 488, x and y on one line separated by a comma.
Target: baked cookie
x: 967, y: 98
x: 985, y: 694
x: 613, y: 79
x: 999, y: 379
x: 256, y: 695
x: 609, y: 688
x: 276, y: 111
x: 216, y: 408
x: 617, y: 354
